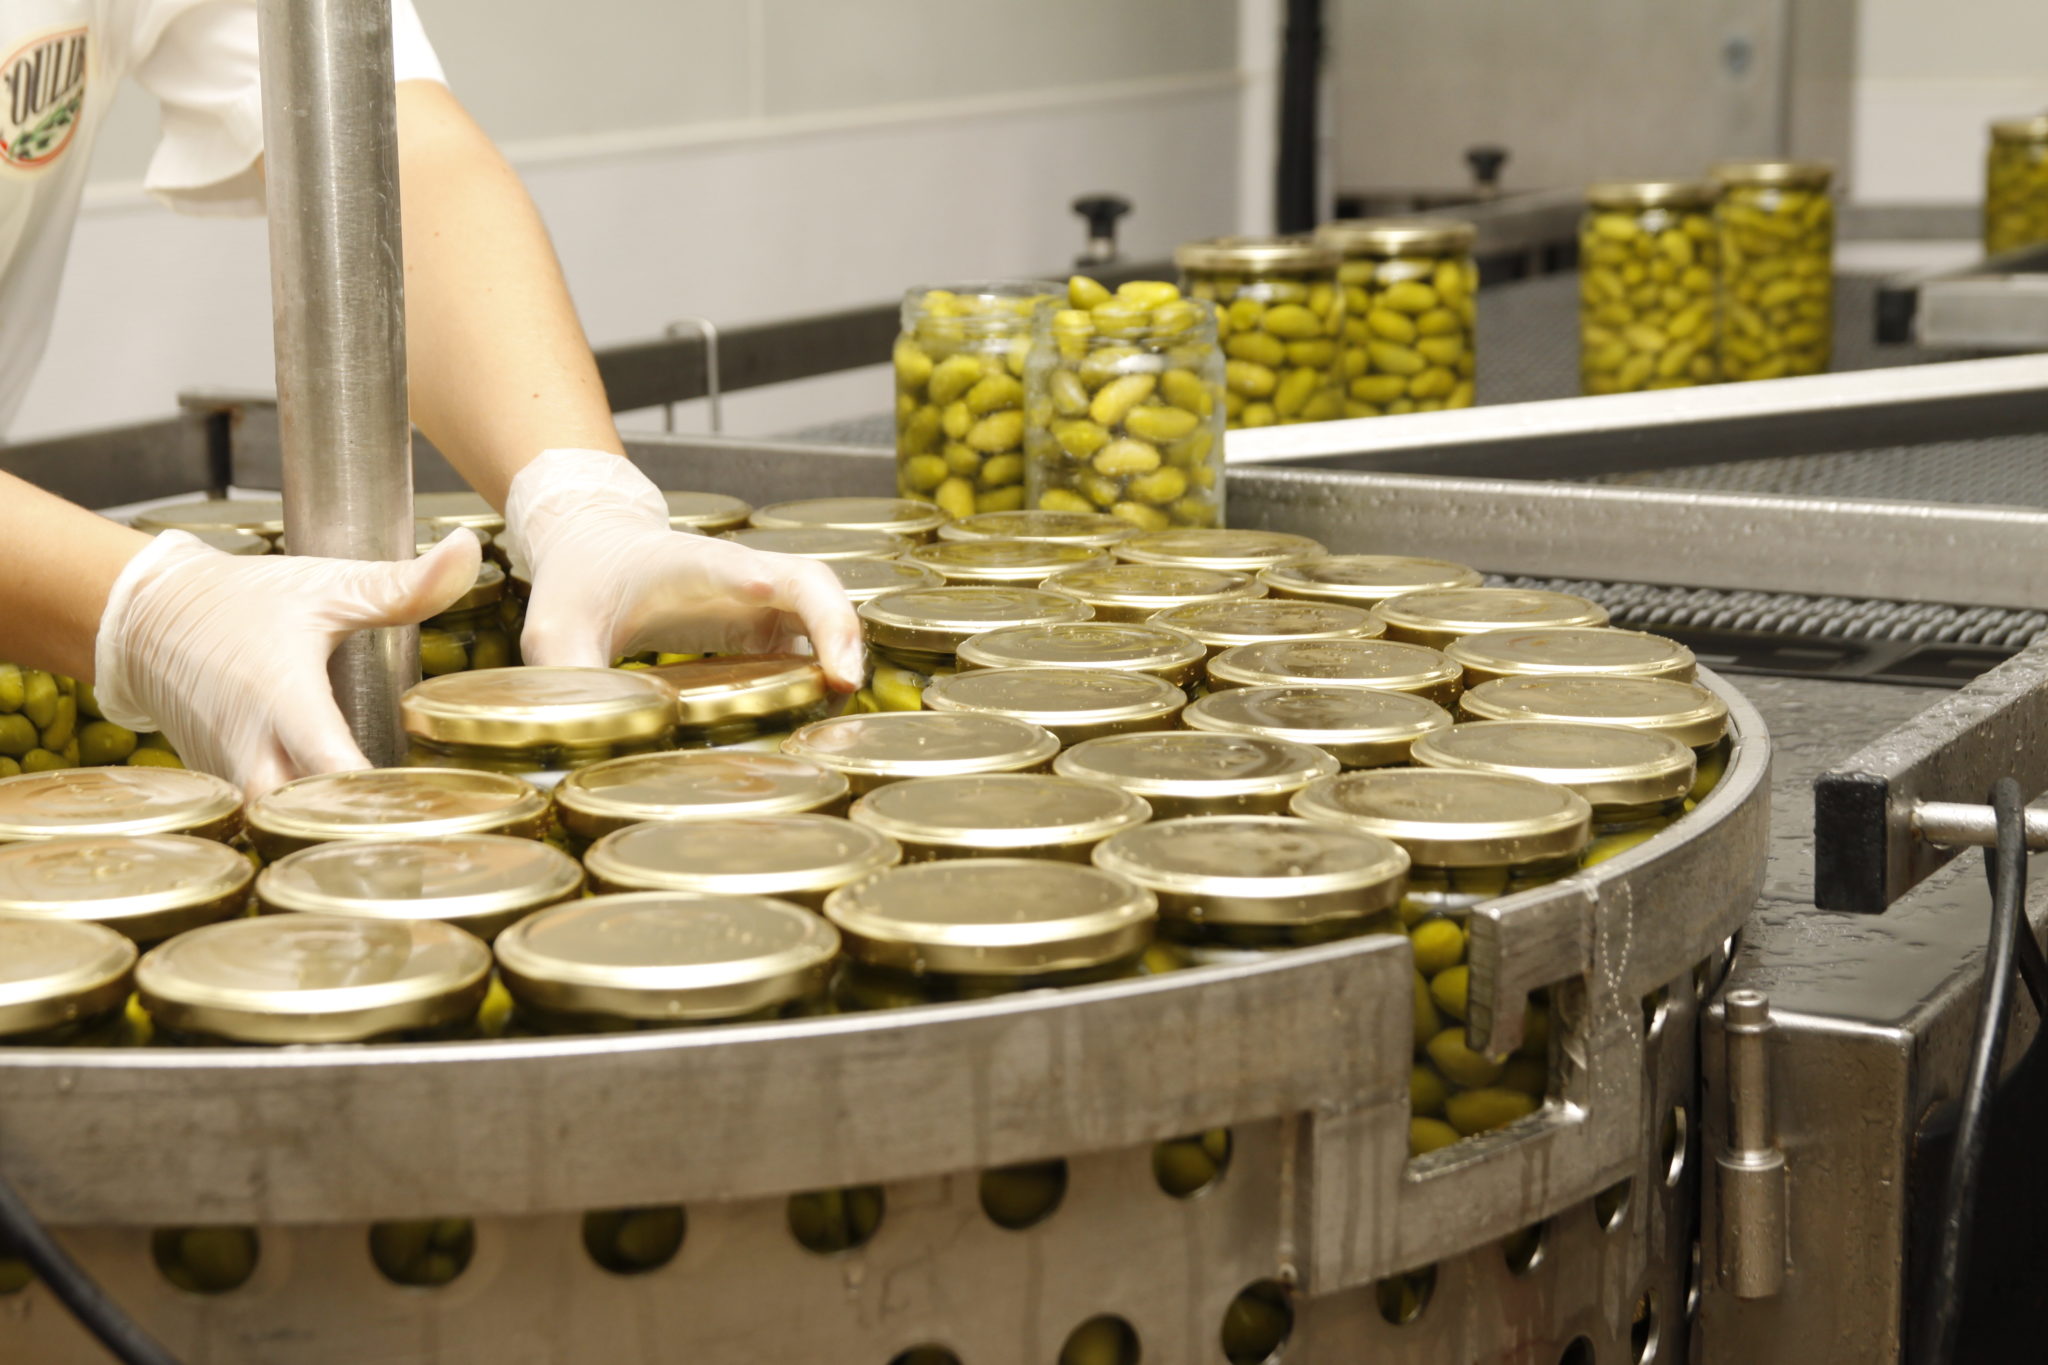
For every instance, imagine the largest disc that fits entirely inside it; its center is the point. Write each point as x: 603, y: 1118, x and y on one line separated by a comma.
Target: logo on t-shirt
x: 42, y: 96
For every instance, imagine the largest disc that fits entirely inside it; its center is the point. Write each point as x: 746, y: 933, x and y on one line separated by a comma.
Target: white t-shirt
x: 59, y: 63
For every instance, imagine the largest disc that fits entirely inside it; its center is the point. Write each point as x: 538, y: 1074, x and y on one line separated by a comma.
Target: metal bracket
x: 708, y: 330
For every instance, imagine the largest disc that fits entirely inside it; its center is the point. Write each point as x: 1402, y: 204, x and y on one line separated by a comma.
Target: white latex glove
x: 227, y: 654
x: 610, y: 578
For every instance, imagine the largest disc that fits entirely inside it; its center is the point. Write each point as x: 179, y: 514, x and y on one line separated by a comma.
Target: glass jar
x: 145, y: 886
x: 1232, y: 887
x: 2016, y: 185
x: 819, y: 542
x: 1000, y: 562
x: 1182, y: 773
x: 797, y: 858
x: 969, y: 928
x: 1280, y: 317
x: 910, y: 518
x: 664, y: 959
x: 1685, y: 711
x: 535, y: 721
x: 913, y: 635
x: 870, y: 751
x: 1222, y: 625
x: 1411, y: 321
x: 1120, y: 646
x: 1365, y: 580
x: 39, y: 730
x: 1588, y: 652
x: 1232, y: 551
x: 1015, y: 815
x: 63, y: 983
x: 1073, y: 703
x: 960, y: 394
x: 480, y: 882
x: 472, y: 633
x: 866, y: 579
x: 753, y: 699
x: 1777, y: 268
x: 1649, y: 287
x: 1440, y: 617
x: 713, y: 784
x: 1357, y: 726
x: 711, y: 514
x: 286, y: 979
x: 251, y: 516
x: 393, y: 803
x: 1124, y: 407
x: 1098, y: 529
x: 1132, y: 593
x: 118, y: 801
x: 1383, y: 665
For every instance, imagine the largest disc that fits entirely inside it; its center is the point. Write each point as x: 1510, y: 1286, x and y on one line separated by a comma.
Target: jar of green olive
x: 702, y: 784
x: 1364, y: 580
x: 960, y: 394
x: 484, y: 883
x: 872, y: 750
x: 250, y: 516
x: 1120, y: 646
x: 1124, y: 407
x: 820, y: 542
x: 753, y: 699
x: 1183, y: 773
x: 1001, y: 562
x: 797, y: 858
x: 63, y: 983
x: 1439, y: 618
x: 1075, y: 704
x: 39, y: 729
x: 969, y: 928
x: 1382, y: 665
x: 1281, y: 321
x: 1580, y: 651
x: 446, y: 511
x: 711, y: 514
x: 913, y: 635
x: 144, y: 886
x: 2016, y: 185
x: 664, y: 959
x: 1357, y: 726
x: 1000, y: 815
x: 1649, y: 283
x: 1134, y: 593
x: 472, y: 633
x: 1777, y: 268
x: 1685, y: 711
x: 393, y: 803
x: 915, y: 521
x: 1225, y: 551
x: 1411, y: 317
x: 535, y: 721
x: 118, y: 801
x: 1097, y: 529
x: 1224, y: 625
x: 866, y: 579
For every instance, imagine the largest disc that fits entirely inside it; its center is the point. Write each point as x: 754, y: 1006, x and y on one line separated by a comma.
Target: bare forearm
x: 499, y: 367
x: 62, y: 563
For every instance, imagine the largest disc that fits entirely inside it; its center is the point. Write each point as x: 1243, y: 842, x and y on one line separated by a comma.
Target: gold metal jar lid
x: 2033, y: 128
x: 735, y: 687
x: 1130, y: 647
x: 252, y: 516
x: 892, y: 745
x: 1005, y: 561
x: 692, y: 784
x: 1229, y: 551
x: 1454, y: 819
x: 1366, y: 580
x: 1791, y: 175
x: 993, y: 917
x: 1259, y: 869
x: 667, y: 956
x: 867, y: 579
x: 314, y: 978
x: 819, y: 542
x: 488, y: 589
x: 1190, y: 772
x: 1060, y: 528
x: 1685, y: 711
x: 1384, y: 665
x: 117, y: 801
x: 711, y: 513
x: 999, y: 813
x: 896, y: 516
x: 1606, y: 764
x: 1221, y: 625
x: 427, y: 534
x: 1439, y: 616
x: 55, y: 971
x: 481, y: 882
x: 1357, y: 726
x: 936, y: 620
x: 450, y: 510
x: 532, y: 708
x: 801, y: 857
x: 232, y: 542
x: 1417, y: 236
x: 392, y: 803
x: 1653, y: 194
x: 147, y: 887
x: 1584, y: 651
x: 1255, y: 255
x: 1074, y: 703
x: 1138, y: 592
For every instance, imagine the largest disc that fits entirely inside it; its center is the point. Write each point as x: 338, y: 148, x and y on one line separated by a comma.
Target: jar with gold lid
x: 232, y: 542
x: 480, y: 882
x: 1357, y: 726
x: 1440, y: 616
x: 914, y: 634
x: 535, y: 721
x: 1649, y: 286
x: 1578, y: 651
x: 250, y: 516
x: 968, y: 928
x: 1000, y: 815
x: 1138, y: 592
x: 1097, y: 529
x: 1365, y: 580
x: 703, y: 784
x: 393, y: 803
x: 820, y: 542
x: 1410, y: 313
x: 116, y: 801
x: 664, y: 959
x: 1685, y: 711
x: 872, y: 750
x: 1223, y: 625
x: 907, y: 517
x: 283, y: 979
x: 710, y: 514
x: 1280, y: 317
x: 1184, y: 773
x: 797, y: 858
x: 1777, y: 234
x: 145, y: 886
x: 472, y: 632
x: 1226, y: 551
x: 1073, y: 703
x: 866, y: 579
x: 998, y: 562
x: 751, y: 699
x: 1125, y: 647
x: 446, y: 511
x: 2016, y: 185
x: 63, y: 983
x: 1383, y: 665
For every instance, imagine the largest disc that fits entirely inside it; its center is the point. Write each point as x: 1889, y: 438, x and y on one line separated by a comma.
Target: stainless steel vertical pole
x: 337, y: 285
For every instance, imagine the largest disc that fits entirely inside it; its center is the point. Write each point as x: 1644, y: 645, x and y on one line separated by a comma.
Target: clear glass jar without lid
x: 1365, y: 580
x: 1183, y: 773
x: 484, y: 883
x: 999, y: 562
x: 144, y: 886
x: 1074, y: 704
x: 1135, y: 593
x: 1687, y: 712
x: 1589, y: 651
x: 1097, y: 529
x: 798, y: 858
x: 117, y: 801
x: 910, y: 518
x: 63, y: 983
x: 1649, y: 286
x: 1125, y: 647
x: 1777, y: 268
x: 913, y: 635
x: 1357, y: 726
x: 699, y: 784
x: 1411, y: 317
x: 393, y: 803
x: 1439, y: 617
x: 536, y: 720
x: 1032, y: 815
x: 871, y: 750
x: 1382, y: 665
x: 1281, y: 321
x: 751, y: 699
x: 2016, y: 185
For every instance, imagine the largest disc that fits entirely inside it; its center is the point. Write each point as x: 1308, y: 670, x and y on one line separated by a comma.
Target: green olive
x: 39, y: 698
x: 1459, y: 1063
x: 154, y: 758
x: 1427, y: 1135
x: 1485, y: 1108
x: 102, y: 742
x: 13, y: 688
x: 1448, y: 988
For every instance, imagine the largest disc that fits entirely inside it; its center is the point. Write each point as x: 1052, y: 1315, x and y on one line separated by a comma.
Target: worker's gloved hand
x: 610, y: 578
x: 227, y: 655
